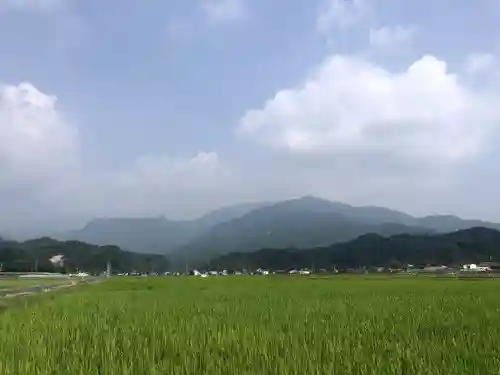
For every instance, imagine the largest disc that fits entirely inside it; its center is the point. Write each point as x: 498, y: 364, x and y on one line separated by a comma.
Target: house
x: 495, y: 266
x: 476, y: 268
x: 262, y: 272
x: 469, y: 267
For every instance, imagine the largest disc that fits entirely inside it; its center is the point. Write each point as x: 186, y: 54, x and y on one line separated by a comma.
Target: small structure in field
x: 476, y: 268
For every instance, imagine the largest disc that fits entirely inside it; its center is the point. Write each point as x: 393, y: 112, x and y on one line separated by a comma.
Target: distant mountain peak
x: 310, y: 197
x: 313, y: 198
x: 302, y: 222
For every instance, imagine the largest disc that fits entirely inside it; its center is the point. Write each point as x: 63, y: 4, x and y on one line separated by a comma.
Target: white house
x: 469, y: 267
x: 475, y: 268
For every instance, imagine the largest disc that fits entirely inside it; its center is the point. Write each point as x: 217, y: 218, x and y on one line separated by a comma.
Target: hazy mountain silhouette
x: 300, y: 223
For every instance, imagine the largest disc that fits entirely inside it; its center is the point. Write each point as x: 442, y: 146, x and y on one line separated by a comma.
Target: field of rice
x: 257, y: 326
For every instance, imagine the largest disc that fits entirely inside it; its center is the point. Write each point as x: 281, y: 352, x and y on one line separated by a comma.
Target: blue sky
x: 176, y: 107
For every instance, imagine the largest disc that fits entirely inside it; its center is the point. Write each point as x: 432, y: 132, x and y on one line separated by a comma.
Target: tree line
x: 36, y: 255
x: 473, y: 245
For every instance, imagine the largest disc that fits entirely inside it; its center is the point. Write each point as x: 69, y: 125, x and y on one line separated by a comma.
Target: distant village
x: 484, y: 268
x: 492, y: 268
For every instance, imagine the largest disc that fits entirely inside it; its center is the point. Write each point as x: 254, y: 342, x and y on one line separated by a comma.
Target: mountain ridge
x: 153, y: 234
x: 302, y: 222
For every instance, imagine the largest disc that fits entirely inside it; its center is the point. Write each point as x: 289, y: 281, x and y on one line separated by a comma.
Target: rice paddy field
x: 257, y: 325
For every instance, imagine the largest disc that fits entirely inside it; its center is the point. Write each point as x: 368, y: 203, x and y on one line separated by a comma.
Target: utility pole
x: 108, y: 270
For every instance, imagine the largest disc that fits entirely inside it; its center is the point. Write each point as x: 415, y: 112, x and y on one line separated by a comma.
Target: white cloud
x: 158, y: 184
x: 39, y: 153
x: 357, y: 132
x: 43, y: 179
x: 35, y: 141
x: 180, y: 176
x: 341, y: 14
x: 369, y: 119
x: 353, y: 131
x: 224, y: 10
x: 390, y: 37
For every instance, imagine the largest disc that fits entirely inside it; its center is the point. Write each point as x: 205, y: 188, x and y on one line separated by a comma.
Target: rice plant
x: 257, y: 325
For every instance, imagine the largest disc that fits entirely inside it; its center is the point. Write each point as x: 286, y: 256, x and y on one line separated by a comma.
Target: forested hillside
x: 465, y: 246
x: 302, y: 223
x: 35, y: 255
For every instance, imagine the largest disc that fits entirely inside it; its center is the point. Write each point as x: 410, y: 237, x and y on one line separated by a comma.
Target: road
x: 27, y: 290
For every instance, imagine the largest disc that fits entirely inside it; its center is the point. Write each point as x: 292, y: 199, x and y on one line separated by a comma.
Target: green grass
x: 244, y: 325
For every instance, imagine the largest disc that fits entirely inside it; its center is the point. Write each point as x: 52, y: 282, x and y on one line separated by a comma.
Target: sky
x: 149, y: 107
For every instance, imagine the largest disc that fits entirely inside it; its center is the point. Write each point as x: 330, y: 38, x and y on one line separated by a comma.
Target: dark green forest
x: 372, y: 250
x: 472, y: 245
x: 34, y: 255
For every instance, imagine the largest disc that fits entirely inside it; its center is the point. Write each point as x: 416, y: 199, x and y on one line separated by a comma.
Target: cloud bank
x: 355, y: 129
x: 41, y: 166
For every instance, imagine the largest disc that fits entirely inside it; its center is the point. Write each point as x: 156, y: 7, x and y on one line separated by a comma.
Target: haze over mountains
x: 306, y: 222
x: 159, y: 234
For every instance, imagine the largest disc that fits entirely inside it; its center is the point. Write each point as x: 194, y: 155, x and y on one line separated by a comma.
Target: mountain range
x: 306, y: 222
x: 155, y: 235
